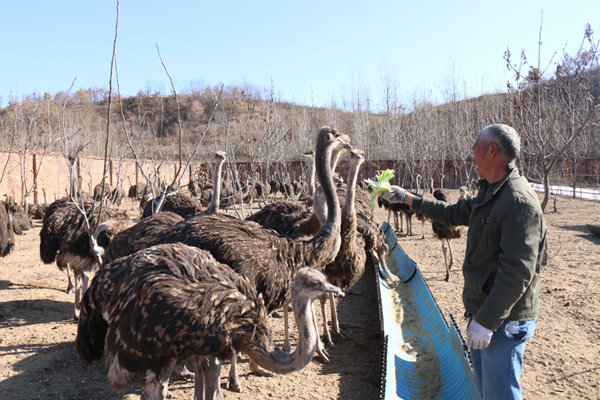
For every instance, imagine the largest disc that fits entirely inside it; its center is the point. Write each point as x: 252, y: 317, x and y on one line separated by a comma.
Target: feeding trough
x: 424, y: 356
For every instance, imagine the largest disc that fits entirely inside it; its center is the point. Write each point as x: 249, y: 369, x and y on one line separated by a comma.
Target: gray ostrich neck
x: 311, y: 177
x: 351, y: 187
x: 323, y: 171
x: 216, y: 197
x: 281, y: 362
x: 335, y: 158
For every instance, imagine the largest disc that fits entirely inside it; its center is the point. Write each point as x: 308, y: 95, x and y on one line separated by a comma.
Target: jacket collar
x: 483, y: 186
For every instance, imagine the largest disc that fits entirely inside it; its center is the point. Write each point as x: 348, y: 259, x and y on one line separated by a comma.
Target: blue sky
x: 312, y: 52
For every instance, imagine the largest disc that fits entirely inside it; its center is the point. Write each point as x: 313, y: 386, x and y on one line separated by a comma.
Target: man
x: 505, y: 247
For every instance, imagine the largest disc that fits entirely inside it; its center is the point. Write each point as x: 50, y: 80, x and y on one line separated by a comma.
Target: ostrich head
x: 309, y: 155
x: 308, y: 285
x: 103, y: 235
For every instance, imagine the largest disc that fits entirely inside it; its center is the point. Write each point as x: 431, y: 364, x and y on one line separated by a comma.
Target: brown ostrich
x: 184, y: 204
x: 266, y: 258
x: 143, y: 234
x: 179, y: 203
x: 36, y: 211
x: 20, y: 219
x: 7, y: 236
x: 137, y: 191
x: 392, y: 209
x: 293, y: 219
x: 262, y: 255
x: 349, y: 264
x: 177, y: 302
x: 99, y: 195
x: 116, y: 196
x: 140, y: 235
x: 374, y: 237
x: 64, y: 238
x: 445, y: 233
x: 319, y: 201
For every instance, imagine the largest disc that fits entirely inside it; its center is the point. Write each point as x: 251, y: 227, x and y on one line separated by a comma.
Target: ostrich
x: 145, y: 231
x: 293, y: 219
x: 179, y: 303
x: 98, y: 195
x: 20, y: 218
x: 266, y: 258
x: 117, y: 196
x: 64, y: 238
x: 36, y: 211
x: 137, y: 191
x: 7, y: 236
x: 349, y: 264
x: 139, y: 235
x: 184, y: 204
x: 179, y: 203
x: 392, y: 209
x: 374, y: 237
x: 263, y: 190
x: 445, y: 233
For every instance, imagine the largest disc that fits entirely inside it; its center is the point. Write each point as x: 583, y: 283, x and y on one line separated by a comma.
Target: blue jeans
x: 498, y: 367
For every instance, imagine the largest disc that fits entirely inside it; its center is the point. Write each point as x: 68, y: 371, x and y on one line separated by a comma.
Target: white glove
x: 396, y: 195
x: 478, y: 337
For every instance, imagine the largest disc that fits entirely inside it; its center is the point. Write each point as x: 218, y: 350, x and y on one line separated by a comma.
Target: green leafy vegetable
x: 382, y: 185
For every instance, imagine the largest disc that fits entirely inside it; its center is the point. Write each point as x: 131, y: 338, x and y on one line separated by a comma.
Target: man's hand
x: 478, y: 337
x: 396, y: 195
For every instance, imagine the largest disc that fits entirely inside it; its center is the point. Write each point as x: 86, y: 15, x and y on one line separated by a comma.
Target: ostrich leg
x: 326, y: 335
x: 70, y: 285
x: 320, y: 348
x: 335, y: 323
x: 206, y: 384
x: 182, y: 371
x: 157, y: 387
x: 445, y: 251
x: 401, y: 221
x: 233, y: 383
x: 286, y: 328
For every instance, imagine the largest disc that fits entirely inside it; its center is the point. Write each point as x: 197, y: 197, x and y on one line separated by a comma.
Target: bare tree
x: 552, y: 113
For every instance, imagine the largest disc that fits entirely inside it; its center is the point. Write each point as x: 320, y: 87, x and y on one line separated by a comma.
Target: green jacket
x: 505, y: 247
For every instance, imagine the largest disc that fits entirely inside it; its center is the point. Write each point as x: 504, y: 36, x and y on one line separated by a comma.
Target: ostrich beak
x: 344, y: 143
x: 329, y: 288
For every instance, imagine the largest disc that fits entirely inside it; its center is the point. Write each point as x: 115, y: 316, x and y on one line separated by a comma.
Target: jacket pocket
x: 483, y: 284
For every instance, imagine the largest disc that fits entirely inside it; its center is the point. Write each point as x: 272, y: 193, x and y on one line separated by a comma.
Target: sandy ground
x: 38, y: 359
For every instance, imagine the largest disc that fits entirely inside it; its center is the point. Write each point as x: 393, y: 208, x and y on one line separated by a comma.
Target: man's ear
x: 492, y: 148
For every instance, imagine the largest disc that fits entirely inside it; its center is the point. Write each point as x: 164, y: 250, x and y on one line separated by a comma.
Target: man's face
x: 481, y: 156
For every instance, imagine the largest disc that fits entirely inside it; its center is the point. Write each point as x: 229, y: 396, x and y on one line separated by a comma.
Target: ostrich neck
x: 281, y: 362
x: 311, y: 177
x: 216, y: 197
x: 323, y: 172
x: 349, y: 206
x: 335, y: 158
x: 323, y: 248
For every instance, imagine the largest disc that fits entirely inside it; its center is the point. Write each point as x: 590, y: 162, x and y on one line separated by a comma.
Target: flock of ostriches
x: 191, y: 284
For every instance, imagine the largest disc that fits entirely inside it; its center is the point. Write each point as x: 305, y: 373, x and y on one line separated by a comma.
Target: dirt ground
x: 562, y: 360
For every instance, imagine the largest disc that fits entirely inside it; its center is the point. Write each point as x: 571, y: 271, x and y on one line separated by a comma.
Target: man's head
x: 495, y: 150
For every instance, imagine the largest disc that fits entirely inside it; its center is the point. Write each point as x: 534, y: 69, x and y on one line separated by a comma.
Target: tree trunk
x: 546, y: 189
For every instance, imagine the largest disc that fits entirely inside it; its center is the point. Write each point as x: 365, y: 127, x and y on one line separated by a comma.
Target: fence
x: 17, y: 173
